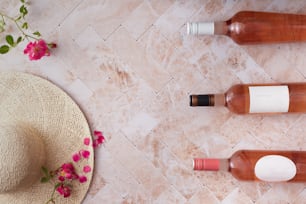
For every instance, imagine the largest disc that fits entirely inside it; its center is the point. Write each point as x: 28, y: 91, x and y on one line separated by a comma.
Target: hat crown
x: 21, y: 157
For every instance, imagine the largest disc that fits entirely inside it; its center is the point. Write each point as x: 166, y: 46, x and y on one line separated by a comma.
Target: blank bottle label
x: 269, y: 99
x: 275, y: 168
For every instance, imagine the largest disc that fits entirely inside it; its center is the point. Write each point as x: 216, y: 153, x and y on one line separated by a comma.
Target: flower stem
x: 18, y: 26
x: 52, y: 196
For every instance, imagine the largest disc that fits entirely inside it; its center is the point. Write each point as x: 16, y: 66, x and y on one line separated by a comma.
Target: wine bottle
x: 259, y: 165
x: 251, y: 27
x: 258, y: 98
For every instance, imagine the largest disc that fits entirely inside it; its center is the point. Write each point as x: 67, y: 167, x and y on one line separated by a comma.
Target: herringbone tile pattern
x: 131, y: 67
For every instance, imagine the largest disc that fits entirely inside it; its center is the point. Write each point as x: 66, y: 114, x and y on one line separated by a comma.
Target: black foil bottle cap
x: 200, y: 100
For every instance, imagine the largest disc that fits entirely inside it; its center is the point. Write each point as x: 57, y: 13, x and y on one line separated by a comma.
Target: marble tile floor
x: 131, y: 67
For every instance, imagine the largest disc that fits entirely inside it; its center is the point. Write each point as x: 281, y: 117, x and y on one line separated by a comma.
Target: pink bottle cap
x: 206, y: 164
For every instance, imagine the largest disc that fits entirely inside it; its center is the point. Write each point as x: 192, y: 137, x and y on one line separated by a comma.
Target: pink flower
x: 37, y: 50
x: 86, y: 169
x: 64, y: 190
x: 99, y: 139
x: 82, y: 179
x: 86, y: 141
x: 76, y: 157
x: 68, y: 166
x: 97, y: 133
x: 95, y: 144
x: 85, y: 153
x: 67, y: 171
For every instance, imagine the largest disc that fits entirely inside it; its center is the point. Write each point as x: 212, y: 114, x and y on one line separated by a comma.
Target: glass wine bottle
x: 258, y: 98
x: 251, y: 27
x: 259, y: 165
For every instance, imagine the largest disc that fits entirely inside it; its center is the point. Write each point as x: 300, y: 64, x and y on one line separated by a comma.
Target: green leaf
x: 22, y: 1
x: 57, y: 185
x: 18, y: 18
x: 45, y: 171
x: 23, y: 10
x: 2, y: 25
x: 19, y: 39
x: 4, y: 49
x: 44, y: 180
x: 10, y: 40
x: 37, y: 34
x: 25, y: 25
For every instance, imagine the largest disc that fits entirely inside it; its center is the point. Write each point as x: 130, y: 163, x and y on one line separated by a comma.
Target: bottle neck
x: 207, y: 28
x: 207, y: 100
x: 208, y: 164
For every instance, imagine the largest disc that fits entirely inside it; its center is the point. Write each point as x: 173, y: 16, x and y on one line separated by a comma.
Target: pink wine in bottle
x: 258, y: 98
x: 259, y: 165
x: 251, y: 27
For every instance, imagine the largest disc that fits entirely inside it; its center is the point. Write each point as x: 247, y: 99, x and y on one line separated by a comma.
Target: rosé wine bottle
x: 258, y: 98
x: 251, y: 27
x: 259, y: 165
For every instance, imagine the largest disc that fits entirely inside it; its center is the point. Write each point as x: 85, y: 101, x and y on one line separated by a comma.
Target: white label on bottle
x: 275, y: 168
x: 269, y: 99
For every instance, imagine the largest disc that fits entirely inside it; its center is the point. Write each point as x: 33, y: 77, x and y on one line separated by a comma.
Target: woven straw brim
x: 31, y: 100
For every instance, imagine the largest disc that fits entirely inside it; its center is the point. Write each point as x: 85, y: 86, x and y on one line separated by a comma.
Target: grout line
x: 71, y: 11
x: 109, y: 35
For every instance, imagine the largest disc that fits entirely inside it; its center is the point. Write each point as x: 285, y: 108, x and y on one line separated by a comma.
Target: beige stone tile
x: 203, y: 195
x: 254, y: 190
x: 170, y: 195
x: 157, y: 47
x: 139, y: 62
x: 106, y: 194
x: 104, y: 16
x: 273, y: 129
x: 294, y: 138
x: 180, y: 177
x: 184, y: 71
x: 144, y: 16
x: 300, y: 198
x: 69, y: 4
x: 281, y: 193
x: 77, y: 87
x: 179, y: 11
x: 38, y: 18
x: 140, y: 126
x: 212, y: 181
x: 234, y: 123
x: 237, y: 196
x: 138, y: 165
x: 276, y: 61
x: 111, y: 174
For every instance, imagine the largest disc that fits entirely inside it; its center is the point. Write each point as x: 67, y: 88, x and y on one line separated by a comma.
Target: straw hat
x: 40, y: 125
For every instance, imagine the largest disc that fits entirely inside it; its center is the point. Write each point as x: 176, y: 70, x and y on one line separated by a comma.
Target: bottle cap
x: 206, y: 164
x: 195, y: 28
x: 201, y: 100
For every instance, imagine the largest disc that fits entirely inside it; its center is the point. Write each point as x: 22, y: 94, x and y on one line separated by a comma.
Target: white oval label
x: 273, y: 168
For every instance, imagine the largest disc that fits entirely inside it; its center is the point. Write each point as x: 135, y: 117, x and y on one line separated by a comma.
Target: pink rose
x: 76, y: 157
x: 82, y: 179
x: 85, y: 154
x: 37, y: 49
x: 86, y: 169
x: 87, y: 141
x: 67, y: 171
x: 64, y: 190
